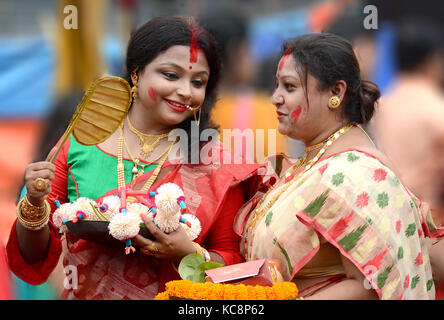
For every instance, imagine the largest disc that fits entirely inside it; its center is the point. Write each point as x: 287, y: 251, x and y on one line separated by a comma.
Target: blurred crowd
x: 45, y: 69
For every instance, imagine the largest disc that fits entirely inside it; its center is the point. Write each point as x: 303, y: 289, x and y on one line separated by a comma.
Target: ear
x: 339, y: 89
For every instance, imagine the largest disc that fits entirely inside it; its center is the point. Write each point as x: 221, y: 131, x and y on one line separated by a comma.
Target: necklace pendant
x: 135, y: 170
x: 147, y: 149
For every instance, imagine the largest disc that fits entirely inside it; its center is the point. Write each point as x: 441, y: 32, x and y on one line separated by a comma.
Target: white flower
x: 124, y: 225
x: 64, y: 212
x: 166, y: 198
x: 139, y: 209
x: 195, y: 229
x: 112, y: 204
x: 86, y: 206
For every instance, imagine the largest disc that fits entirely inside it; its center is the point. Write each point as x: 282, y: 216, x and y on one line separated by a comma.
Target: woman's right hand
x: 43, y: 170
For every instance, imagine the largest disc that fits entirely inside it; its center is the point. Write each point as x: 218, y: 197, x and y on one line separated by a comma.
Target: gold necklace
x: 121, y: 167
x: 259, y: 212
x: 147, y: 141
x: 314, y: 147
x: 136, y: 171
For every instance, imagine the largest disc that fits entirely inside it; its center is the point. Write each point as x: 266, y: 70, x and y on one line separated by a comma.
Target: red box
x: 264, y: 272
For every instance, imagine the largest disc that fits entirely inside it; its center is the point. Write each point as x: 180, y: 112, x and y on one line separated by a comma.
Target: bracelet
x: 30, y: 211
x: 32, y: 224
x: 204, y: 253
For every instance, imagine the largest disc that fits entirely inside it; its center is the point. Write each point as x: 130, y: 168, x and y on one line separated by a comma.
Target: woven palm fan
x: 99, y: 114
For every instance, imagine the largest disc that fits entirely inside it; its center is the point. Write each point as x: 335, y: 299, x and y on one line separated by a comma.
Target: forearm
x: 349, y: 289
x: 33, y: 245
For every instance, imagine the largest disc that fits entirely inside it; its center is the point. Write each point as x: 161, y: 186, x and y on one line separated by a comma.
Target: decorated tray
x: 97, y: 231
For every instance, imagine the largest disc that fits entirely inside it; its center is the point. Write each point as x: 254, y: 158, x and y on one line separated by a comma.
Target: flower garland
x: 185, y: 289
x: 165, y: 207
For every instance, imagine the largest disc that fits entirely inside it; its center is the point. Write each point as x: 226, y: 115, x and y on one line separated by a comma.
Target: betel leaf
x: 188, y: 266
x: 193, y: 266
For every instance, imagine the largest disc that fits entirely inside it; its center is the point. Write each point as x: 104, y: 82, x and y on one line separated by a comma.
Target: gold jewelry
x: 26, y: 214
x: 135, y: 80
x: 194, y: 111
x: 204, y: 253
x: 121, y: 166
x: 362, y: 129
x: 259, y: 212
x: 30, y: 211
x: 334, y: 102
x: 314, y: 147
x: 147, y: 141
x: 146, y: 251
x: 136, y: 171
x: 152, y: 248
x: 40, y: 184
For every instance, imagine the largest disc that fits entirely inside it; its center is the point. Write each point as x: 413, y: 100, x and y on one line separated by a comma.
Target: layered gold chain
x: 259, y: 212
x: 121, y: 166
x: 148, y: 142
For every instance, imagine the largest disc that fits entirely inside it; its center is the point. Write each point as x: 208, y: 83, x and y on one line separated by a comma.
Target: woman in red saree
x: 172, y: 65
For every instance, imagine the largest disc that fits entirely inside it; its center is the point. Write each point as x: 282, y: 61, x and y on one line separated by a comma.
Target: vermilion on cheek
x: 296, y: 113
x: 152, y: 93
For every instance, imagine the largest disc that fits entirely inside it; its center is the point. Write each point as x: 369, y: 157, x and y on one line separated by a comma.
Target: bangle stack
x: 31, y: 216
x: 204, y: 253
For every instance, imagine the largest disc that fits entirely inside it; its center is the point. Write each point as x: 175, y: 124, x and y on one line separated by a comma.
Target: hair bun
x: 369, y: 94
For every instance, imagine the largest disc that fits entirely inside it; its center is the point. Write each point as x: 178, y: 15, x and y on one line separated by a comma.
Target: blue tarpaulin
x: 27, y: 69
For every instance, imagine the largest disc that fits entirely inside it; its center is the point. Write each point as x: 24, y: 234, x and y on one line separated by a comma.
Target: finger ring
x: 146, y: 251
x: 40, y: 184
x: 152, y: 248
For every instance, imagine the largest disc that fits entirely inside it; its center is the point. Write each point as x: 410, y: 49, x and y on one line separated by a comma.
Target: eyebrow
x: 179, y: 67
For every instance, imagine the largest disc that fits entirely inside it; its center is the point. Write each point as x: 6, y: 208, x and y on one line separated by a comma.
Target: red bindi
x: 152, y: 93
x: 296, y: 113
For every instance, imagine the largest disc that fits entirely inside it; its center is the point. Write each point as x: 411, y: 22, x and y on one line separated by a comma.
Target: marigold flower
x: 162, y: 296
x: 216, y: 291
x: 285, y: 290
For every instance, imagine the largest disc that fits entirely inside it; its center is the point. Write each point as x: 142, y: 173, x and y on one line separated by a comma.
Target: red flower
x: 379, y: 175
x: 406, y: 281
x: 398, y: 226
x: 419, y: 233
x: 418, y: 260
x: 362, y: 200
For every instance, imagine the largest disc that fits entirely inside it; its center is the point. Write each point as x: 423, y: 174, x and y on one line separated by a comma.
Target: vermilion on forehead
x: 282, y: 62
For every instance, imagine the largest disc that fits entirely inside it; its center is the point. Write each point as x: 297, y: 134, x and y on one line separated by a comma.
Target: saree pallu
x: 214, y: 193
x: 358, y: 205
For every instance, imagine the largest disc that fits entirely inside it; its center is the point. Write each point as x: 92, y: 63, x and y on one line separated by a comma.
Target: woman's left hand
x: 173, y: 245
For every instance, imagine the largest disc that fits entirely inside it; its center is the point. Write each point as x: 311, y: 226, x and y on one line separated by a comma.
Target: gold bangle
x: 36, y: 223
x: 30, y: 211
x: 198, y: 249
x: 204, y: 253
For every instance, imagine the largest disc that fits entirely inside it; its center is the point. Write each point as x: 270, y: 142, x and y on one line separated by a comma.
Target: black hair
x: 330, y: 58
x: 416, y: 40
x: 157, y: 36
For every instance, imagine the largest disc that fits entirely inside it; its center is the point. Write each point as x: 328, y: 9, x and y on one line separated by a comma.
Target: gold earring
x: 334, y: 102
x: 134, y: 89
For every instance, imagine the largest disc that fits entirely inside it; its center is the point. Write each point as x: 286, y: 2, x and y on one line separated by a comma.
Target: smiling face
x: 297, y: 119
x: 167, y: 85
